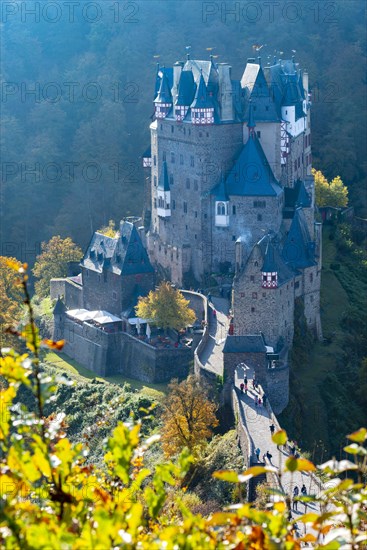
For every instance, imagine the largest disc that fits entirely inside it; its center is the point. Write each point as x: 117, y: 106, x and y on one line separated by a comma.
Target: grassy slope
x: 63, y: 362
x: 307, y: 414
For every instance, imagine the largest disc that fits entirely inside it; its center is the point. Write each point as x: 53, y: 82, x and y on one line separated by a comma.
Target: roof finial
x: 259, y: 59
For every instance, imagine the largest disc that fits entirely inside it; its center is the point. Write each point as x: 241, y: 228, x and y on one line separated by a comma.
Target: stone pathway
x: 258, y: 424
x: 212, y: 356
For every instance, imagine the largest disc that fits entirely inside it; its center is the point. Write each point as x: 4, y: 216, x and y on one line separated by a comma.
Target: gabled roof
x: 299, y: 251
x: 219, y: 191
x: 272, y: 260
x: 122, y: 255
x: 163, y: 182
x: 202, y: 99
x: 198, y: 68
x: 251, y: 174
x: 186, y: 89
x: 164, y: 93
x: 147, y: 153
x: 245, y: 344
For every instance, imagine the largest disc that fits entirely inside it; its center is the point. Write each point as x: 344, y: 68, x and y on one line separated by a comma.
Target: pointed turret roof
x: 219, y: 191
x: 186, y: 89
x: 164, y: 93
x: 299, y: 250
x: 251, y: 174
x: 256, y: 88
x: 163, y: 182
x: 202, y: 99
x: 273, y: 261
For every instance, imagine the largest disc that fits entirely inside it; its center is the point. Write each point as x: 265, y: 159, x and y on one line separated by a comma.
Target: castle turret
x: 163, y: 101
x: 164, y: 194
x: 202, y: 108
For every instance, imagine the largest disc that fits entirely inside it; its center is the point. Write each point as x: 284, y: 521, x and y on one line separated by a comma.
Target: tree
x: 11, y: 303
x: 334, y: 193
x: 166, y: 308
x: 53, y: 262
x: 188, y: 417
x: 109, y: 230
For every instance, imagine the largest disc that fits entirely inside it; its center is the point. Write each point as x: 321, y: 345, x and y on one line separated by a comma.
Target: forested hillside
x: 93, y: 71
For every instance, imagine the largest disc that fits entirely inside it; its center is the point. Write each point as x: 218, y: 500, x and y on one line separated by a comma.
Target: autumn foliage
x: 188, y: 418
x: 333, y: 193
x: 53, y: 262
x: 166, y: 307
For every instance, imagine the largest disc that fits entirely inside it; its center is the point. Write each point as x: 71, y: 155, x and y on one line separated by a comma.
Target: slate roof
x: 299, y: 251
x: 163, y: 182
x: 186, y: 89
x: 256, y: 89
x: 147, y: 153
x: 287, y: 86
x: 219, y: 191
x: 202, y: 98
x: 245, y: 344
x: 164, y: 93
x: 273, y: 261
x: 251, y: 174
x: 122, y: 255
x: 297, y: 196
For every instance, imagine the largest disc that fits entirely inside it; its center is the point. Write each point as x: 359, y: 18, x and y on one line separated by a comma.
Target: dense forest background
x: 92, y: 66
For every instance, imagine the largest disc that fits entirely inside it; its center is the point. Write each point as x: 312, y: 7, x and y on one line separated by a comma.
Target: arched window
x: 221, y: 209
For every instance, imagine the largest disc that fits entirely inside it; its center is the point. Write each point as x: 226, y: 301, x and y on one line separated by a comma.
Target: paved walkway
x: 212, y: 356
x: 258, y: 424
x: 257, y: 418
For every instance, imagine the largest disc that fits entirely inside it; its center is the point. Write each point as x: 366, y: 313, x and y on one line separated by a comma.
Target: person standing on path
x: 214, y: 313
x: 257, y: 453
x: 246, y: 388
x: 295, y: 494
x: 272, y: 429
x: 245, y: 380
x: 264, y: 399
x: 209, y: 297
x: 242, y: 385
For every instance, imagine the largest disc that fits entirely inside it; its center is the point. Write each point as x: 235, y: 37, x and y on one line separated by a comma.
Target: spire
x: 163, y: 183
x: 220, y: 191
x: 164, y: 94
x: 202, y: 99
x: 251, y: 120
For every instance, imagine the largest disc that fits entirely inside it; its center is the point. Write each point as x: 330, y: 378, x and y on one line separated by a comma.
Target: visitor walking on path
x: 246, y: 388
x: 245, y: 380
x: 264, y: 399
x: 209, y: 297
x: 269, y: 456
x: 214, y: 313
x: 242, y: 385
x: 272, y: 429
x: 257, y: 453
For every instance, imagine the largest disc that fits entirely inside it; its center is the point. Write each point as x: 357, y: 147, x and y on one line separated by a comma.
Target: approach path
x: 258, y: 419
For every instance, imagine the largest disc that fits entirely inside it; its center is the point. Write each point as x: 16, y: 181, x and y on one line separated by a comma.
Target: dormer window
x: 202, y: 116
x: 269, y: 279
x: 221, y: 209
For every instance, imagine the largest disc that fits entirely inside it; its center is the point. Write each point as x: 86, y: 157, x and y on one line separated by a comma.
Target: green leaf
x: 227, y: 475
x: 280, y: 437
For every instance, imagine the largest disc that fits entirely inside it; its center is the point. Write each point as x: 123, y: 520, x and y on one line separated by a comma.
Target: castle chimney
x: 225, y: 91
x: 239, y: 255
x: 177, y: 70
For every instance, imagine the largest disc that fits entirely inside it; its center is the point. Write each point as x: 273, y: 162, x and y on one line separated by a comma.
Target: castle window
x: 161, y: 126
x: 173, y: 205
x: 114, y: 295
x: 259, y: 204
x: 234, y: 209
x: 155, y: 181
x: 258, y: 133
x: 254, y: 295
x: 259, y: 217
x: 252, y: 310
x: 256, y: 264
x: 187, y: 183
x: 196, y: 236
x: 181, y: 160
x: 252, y: 278
x: 99, y: 278
x: 311, y: 277
x: 155, y: 203
x: 187, y: 227
x: 164, y: 156
x: 221, y: 209
x: 196, y: 185
x: 311, y: 298
x: 296, y: 284
x: 185, y: 208
x: 172, y: 158
x: 196, y: 214
x: 171, y: 181
x: 233, y: 237
x: 205, y: 216
x: 264, y: 294
x: 285, y: 323
x: 192, y: 161
x: 155, y: 160
x: 172, y: 129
